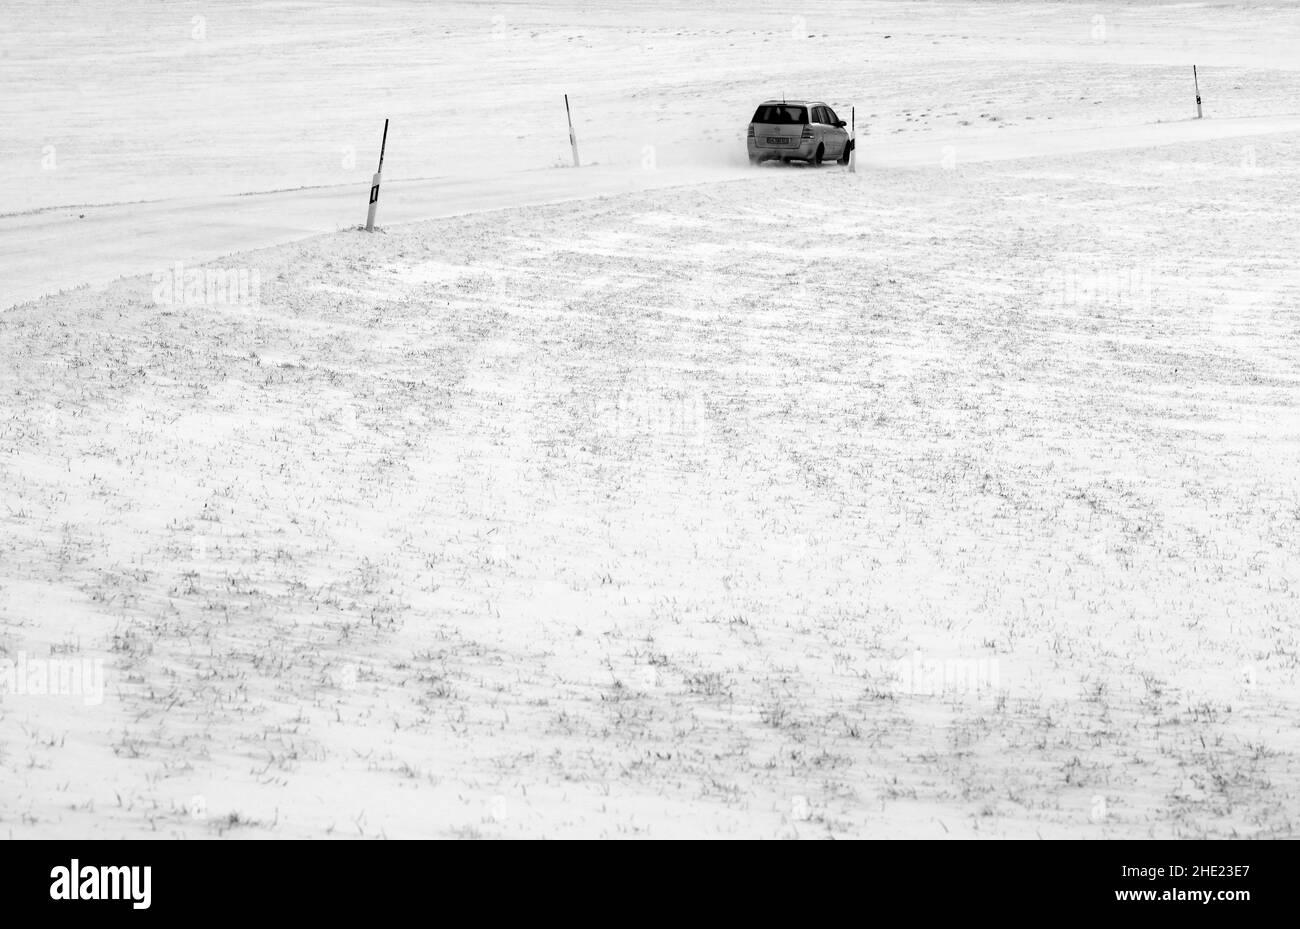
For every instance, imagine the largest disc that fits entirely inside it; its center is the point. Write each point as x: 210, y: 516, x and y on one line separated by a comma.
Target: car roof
x: 792, y: 103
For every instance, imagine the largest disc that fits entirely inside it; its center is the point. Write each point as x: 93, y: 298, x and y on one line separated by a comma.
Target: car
x: 797, y: 130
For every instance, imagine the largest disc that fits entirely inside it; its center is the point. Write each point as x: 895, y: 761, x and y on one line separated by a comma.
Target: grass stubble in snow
x: 968, y: 509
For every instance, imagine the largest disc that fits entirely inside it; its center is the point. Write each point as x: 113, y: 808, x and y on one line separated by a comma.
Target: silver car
x: 797, y: 130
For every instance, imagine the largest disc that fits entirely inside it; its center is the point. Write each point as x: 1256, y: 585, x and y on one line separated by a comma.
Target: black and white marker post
x: 374, y: 183
x: 573, y: 139
x: 1197, y: 85
x: 853, y: 140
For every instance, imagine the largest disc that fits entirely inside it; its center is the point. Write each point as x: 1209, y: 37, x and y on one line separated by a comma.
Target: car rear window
x: 781, y: 114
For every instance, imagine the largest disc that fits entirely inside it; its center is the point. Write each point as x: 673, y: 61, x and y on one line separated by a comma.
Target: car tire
x: 755, y: 161
x: 848, y: 149
x: 817, y: 155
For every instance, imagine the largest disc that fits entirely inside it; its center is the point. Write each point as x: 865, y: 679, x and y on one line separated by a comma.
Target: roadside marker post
x: 573, y: 139
x: 1197, y: 85
x: 374, y: 183
x: 853, y: 140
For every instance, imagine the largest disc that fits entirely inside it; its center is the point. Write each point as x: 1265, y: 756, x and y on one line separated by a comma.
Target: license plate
x: 777, y: 140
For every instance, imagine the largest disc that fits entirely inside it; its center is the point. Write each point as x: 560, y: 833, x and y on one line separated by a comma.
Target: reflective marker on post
x: 573, y: 139
x: 374, y: 183
x: 853, y: 140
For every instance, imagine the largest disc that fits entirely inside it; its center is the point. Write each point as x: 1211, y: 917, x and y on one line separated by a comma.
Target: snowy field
x: 957, y: 497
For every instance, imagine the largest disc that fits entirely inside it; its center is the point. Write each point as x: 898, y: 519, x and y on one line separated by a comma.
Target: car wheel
x: 755, y: 160
x: 844, y: 155
x: 817, y: 157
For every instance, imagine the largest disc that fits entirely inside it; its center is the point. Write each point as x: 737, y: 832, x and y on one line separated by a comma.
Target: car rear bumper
x: 804, y: 149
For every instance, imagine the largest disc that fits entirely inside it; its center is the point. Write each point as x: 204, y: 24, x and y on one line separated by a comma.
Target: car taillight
x: 751, y: 130
x: 807, y: 133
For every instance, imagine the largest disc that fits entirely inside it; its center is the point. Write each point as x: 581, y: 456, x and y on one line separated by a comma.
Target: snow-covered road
x: 62, y: 248
x: 47, y: 251
x: 187, y: 104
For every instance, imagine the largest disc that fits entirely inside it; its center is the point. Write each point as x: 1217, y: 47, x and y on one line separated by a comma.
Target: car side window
x: 819, y: 114
x: 831, y: 118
